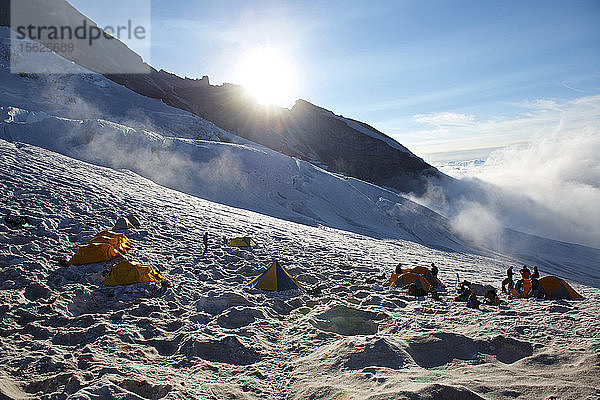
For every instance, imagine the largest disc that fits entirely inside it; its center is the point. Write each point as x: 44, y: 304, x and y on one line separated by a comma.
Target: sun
x: 268, y: 74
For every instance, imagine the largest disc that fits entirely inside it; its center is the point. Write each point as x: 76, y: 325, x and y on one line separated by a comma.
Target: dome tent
x: 275, y: 278
x: 242, y: 242
x: 409, y: 278
x: 426, y: 273
x: 133, y: 220
x: 554, y: 289
x: 128, y: 272
x: 122, y: 224
x: 423, y: 272
x: 105, y: 246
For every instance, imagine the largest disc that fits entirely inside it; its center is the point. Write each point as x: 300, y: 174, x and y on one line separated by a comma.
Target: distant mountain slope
x: 86, y: 116
x: 306, y: 131
x: 85, y: 95
x: 246, y: 176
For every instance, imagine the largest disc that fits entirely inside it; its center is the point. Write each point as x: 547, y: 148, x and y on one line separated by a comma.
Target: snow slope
x: 82, y: 94
x: 255, y: 178
x: 91, y: 118
x: 63, y: 336
x: 246, y: 176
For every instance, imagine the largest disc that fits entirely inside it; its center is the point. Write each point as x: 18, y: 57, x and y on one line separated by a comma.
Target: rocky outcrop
x: 306, y: 131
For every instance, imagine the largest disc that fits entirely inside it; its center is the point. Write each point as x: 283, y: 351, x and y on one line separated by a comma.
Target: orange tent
x: 105, y: 246
x: 409, y: 278
x: 557, y: 288
x: 393, y: 279
x: 553, y: 287
x: 426, y: 273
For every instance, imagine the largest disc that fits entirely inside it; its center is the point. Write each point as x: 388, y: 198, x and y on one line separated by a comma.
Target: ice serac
x: 306, y: 131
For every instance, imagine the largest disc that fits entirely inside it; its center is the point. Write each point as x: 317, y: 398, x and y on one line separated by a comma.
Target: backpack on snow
x: 413, y: 290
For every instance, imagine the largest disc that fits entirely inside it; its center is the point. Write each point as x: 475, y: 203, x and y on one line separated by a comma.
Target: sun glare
x: 268, y: 75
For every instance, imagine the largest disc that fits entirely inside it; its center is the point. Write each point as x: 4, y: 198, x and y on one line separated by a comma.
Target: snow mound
x: 238, y: 317
x: 506, y: 350
x: 347, y: 321
x: 440, y: 348
x: 437, y: 349
x: 229, y: 350
x: 361, y: 352
x: 216, y: 304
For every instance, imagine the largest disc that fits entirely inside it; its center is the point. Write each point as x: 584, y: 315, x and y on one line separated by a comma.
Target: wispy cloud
x: 447, y: 131
x: 445, y: 119
x: 549, y: 186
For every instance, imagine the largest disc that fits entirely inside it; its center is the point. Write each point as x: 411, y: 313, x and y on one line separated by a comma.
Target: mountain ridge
x: 304, y: 132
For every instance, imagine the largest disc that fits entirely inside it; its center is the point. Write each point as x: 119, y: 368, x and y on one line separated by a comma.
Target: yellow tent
x: 275, y: 278
x: 242, y: 242
x: 117, y: 240
x: 105, y: 246
x: 128, y: 272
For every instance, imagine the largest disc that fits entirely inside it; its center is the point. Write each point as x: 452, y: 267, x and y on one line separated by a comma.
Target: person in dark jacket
x: 205, y: 241
x: 473, y: 302
x: 399, y: 268
x: 464, y: 291
x: 434, y: 270
x: 508, y: 281
x: 536, y: 273
x: 536, y: 290
x: 491, y: 298
x: 519, y: 288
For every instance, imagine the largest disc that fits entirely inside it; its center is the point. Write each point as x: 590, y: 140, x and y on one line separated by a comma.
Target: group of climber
x: 508, y: 284
x: 467, y: 294
x: 465, y: 289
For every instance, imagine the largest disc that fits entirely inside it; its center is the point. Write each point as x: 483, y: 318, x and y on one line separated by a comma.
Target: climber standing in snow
x: 398, y: 269
x: 434, y: 270
x: 525, y: 273
x: 205, y: 241
x: 508, y: 281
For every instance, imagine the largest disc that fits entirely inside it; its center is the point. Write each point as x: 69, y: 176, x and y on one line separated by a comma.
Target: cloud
x: 487, y: 229
x: 549, y: 187
x: 445, y: 119
x: 561, y: 173
x: 447, y: 131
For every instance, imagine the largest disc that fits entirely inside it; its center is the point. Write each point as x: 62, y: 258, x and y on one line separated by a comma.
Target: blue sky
x: 435, y: 75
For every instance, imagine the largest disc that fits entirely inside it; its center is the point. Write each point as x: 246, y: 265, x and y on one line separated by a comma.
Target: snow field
x: 207, y: 336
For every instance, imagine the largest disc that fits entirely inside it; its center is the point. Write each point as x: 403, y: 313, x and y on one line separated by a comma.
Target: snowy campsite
x: 156, y: 245
x: 210, y: 336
